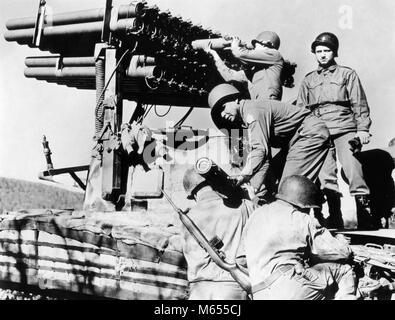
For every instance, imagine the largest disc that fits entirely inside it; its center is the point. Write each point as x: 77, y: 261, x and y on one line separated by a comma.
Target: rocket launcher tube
x: 75, y: 17
x: 52, y: 61
x: 26, y: 35
x: 67, y: 72
x: 216, y: 43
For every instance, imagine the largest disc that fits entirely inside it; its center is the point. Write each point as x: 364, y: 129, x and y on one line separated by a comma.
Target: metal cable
x: 99, y: 110
x: 162, y: 115
x: 184, y: 117
x: 112, y: 74
x: 142, y: 117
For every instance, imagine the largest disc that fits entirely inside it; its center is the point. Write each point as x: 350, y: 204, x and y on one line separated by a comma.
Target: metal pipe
x: 70, y: 30
x: 216, y: 43
x: 82, y: 16
x: 52, y: 61
x: 142, y: 72
x: 68, y: 72
x: 143, y: 60
x: 135, y: 68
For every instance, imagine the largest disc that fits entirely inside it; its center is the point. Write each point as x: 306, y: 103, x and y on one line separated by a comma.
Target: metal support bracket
x: 50, y: 172
x: 106, y: 32
x: 38, y: 28
x: 111, y: 162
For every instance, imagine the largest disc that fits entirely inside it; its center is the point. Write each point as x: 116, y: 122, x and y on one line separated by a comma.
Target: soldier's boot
x: 335, y: 219
x: 365, y: 219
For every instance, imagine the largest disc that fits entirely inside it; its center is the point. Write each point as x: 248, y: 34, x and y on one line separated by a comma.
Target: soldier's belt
x: 345, y: 103
x: 272, y: 278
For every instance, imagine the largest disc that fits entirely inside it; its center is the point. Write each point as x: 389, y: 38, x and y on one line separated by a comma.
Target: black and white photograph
x: 197, y: 154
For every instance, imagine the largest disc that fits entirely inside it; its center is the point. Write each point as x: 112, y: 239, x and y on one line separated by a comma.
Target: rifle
x: 375, y: 255
x: 378, y: 264
x: 238, y: 273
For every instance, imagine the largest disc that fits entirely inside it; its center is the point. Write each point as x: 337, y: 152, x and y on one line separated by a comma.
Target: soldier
x: 264, y: 77
x: 214, y: 217
x: 334, y: 94
x: 271, y: 124
x: 279, y: 237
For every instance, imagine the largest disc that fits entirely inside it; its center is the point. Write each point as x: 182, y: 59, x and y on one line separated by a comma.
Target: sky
x: 30, y: 108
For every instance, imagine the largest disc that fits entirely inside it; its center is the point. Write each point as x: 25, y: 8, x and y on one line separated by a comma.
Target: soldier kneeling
x: 290, y: 256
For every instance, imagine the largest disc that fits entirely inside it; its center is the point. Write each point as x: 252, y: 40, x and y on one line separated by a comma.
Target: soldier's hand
x: 299, y: 269
x: 235, y: 42
x: 241, y: 179
x: 364, y: 136
x: 208, y: 48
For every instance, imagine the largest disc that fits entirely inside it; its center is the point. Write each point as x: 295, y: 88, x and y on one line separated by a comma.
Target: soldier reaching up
x: 264, y: 77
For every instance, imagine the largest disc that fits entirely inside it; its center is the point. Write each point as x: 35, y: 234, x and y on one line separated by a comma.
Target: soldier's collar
x: 331, y: 68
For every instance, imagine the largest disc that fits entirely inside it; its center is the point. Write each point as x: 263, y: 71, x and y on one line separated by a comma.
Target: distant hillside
x: 19, y: 194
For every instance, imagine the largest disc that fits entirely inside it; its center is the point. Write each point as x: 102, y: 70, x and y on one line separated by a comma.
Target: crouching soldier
x: 280, y: 237
x: 275, y: 124
x: 215, y: 218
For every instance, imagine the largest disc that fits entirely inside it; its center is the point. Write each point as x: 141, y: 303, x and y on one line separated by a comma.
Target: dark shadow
x: 377, y: 166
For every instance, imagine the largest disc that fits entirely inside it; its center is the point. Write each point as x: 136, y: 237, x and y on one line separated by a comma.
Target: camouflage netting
x: 115, y: 255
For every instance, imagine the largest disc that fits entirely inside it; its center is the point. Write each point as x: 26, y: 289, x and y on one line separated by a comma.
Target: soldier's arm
x: 258, y: 135
x: 325, y: 247
x: 266, y: 56
x: 303, y: 96
x: 226, y: 73
x: 359, y: 102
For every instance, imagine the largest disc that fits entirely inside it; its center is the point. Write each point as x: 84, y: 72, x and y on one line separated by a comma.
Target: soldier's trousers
x: 307, y: 149
x: 351, y: 166
x: 319, y: 282
x: 216, y: 290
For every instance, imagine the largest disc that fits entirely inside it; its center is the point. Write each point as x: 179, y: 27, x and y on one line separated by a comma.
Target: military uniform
x: 264, y: 80
x: 277, y: 239
x: 281, y: 125
x: 207, y: 280
x: 336, y: 96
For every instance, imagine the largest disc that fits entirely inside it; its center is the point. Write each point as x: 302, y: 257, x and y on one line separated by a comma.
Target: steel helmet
x: 327, y: 39
x: 268, y: 36
x: 219, y: 95
x: 191, y: 181
x: 300, y: 192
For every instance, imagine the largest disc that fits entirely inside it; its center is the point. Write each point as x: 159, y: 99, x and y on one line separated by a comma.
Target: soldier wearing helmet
x: 334, y: 94
x: 290, y: 256
x: 263, y: 78
x: 271, y: 124
x: 215, y: 217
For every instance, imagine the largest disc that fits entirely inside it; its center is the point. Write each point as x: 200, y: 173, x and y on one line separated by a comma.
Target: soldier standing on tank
x: 334, y: 94
x: 215, y: 218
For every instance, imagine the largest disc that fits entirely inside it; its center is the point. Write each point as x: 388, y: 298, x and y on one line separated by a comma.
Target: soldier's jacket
x: 270, y: 124
x: 277, y: 234
x: 265, y: 79
x: 214, y: 218
x: 337, y: 97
